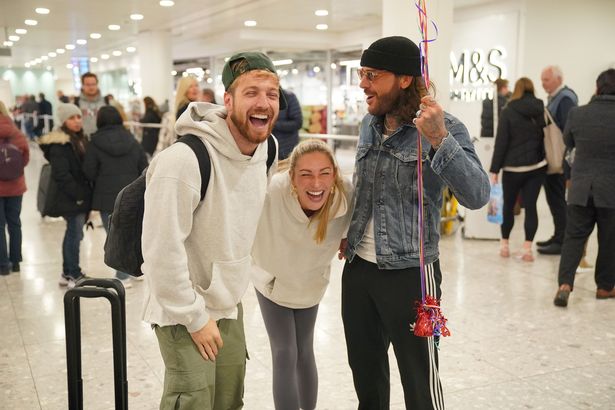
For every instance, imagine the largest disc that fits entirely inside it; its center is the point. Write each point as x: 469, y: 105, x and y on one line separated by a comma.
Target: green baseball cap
x: 252, y: 61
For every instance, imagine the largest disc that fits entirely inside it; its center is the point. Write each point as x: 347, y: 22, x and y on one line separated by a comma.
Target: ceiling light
x: 93, y: 59
x: 60, y: 50
x: 69, y: 66
x: 14, y: 38
x: 48, y: 68
x: 21, y: 31
x: 27, y: 65
x: 30, y: 22
x: 44, y: 58
x: 104, y: 56
x: 294, y: 71
x: 210, y: 80
x: 131, y: 49
x: 95, y: 36
x: 321, y: 13
x: 69, y: 46
x: 333, y: 66
x: 282, y: 62
x: 8, y: 44
x: 249, y: 23
x: 167, y: 3
x: 52, y: 54
x: 321, y: 26
x: 81, y: 42
x: 38, y: 60
x: 42, y: 10
x: 113, y: 27
x: 173, y: 73
x: 136, y: 17
x: 316, y: 69
x: 117, y: 53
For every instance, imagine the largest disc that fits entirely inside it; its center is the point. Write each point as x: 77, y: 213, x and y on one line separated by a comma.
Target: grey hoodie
x: 89, y: 110
x: 197, y: 254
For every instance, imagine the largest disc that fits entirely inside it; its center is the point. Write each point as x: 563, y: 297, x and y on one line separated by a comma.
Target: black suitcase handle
x: 113, y: 291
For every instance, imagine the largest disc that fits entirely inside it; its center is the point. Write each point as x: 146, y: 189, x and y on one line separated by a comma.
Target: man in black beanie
x: 381, y: 280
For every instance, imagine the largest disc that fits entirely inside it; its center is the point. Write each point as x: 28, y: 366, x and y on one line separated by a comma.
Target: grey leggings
x: 291, y: 335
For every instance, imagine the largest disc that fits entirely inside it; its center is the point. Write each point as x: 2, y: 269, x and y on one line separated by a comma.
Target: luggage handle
x: 72, y: 316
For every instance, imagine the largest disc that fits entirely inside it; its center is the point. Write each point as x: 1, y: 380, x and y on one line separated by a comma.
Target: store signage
x: 473, y: 72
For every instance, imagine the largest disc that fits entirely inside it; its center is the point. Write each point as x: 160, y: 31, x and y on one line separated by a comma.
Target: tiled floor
x: 510, y: 349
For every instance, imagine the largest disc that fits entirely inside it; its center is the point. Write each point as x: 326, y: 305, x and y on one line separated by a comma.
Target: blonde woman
x: 306, y: 214
x: 187, y: 92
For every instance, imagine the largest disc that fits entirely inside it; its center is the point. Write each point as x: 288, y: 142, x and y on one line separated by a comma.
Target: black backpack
x: 123, y: 244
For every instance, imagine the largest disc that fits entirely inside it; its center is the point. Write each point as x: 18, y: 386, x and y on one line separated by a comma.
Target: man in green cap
x: 197, y: 252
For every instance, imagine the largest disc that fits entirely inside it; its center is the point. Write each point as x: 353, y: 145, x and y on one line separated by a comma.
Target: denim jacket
x: 386, y: 188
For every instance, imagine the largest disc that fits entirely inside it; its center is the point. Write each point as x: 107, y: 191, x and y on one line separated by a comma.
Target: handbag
x: 47, y: 193
x: 495, y: 213
x: 554, y: 145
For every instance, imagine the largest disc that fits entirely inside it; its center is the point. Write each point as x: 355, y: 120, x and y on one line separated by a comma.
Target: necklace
x: 386, y: 126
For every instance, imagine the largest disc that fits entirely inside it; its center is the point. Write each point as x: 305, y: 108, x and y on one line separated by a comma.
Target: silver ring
x: 418, y: 113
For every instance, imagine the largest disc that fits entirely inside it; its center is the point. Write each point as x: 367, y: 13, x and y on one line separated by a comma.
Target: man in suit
x: 590, y: 130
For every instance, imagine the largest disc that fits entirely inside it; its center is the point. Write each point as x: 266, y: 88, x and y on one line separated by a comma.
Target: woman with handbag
x: 306, y: 214
x: 11, y: 194
x: 64, y: 148
x: 519, y: 152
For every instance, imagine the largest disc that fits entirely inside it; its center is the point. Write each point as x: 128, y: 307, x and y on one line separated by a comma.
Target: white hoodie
x: 197, y: 254
x: 290, y: 268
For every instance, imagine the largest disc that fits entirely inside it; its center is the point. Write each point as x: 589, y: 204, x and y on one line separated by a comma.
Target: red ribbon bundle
x: 429, y: 319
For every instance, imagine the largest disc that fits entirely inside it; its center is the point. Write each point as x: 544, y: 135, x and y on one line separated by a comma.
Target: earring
x: 333, y: 190
x: 293, y: 190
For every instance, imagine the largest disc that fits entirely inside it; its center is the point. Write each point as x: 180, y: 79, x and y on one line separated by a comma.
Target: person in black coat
x: 519, y: 151
x: 286, y: 129
x: 486, y: 117
x: 44, y: 108
x: 150, y: 135
x: 113, y: 160
x: 65, y: 150
x: 591, y: 196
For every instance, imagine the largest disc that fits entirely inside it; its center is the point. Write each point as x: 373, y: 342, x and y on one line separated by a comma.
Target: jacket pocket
x: 402, y: 216
x: 304, y: 292
x: 229, y: 281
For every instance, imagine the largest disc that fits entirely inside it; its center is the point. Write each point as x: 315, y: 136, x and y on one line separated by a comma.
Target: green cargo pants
x: 193, y: 383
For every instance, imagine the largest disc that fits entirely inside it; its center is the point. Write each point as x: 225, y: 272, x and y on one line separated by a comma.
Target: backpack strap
x: 271, y: 151
x: 202, y: 155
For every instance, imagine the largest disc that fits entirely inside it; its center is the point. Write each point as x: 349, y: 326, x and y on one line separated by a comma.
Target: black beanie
x: 396, y: 54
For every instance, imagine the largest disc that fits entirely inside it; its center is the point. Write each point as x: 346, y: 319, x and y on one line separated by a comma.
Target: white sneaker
x: 126, y: 282
x: 71, y: 283
x: 63, y: 280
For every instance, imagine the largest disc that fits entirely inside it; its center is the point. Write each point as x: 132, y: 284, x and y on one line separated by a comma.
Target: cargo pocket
x: 185, y: 368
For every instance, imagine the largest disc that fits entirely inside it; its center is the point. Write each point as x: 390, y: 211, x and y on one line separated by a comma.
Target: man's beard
x: 244, y: 126
x: 389, y: 103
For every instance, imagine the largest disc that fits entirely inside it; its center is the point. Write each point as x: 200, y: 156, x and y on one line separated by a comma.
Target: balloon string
x: 423, y: 50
